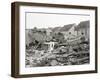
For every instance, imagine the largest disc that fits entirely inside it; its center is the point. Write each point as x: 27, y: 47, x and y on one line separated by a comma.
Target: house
x: 83, y: 29
x: 68, y: 30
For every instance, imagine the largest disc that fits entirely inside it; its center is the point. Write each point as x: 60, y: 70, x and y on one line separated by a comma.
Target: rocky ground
x: 77, y: 54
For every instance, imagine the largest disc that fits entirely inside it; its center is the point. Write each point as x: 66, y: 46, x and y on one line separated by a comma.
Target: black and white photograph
x: 54, y: 39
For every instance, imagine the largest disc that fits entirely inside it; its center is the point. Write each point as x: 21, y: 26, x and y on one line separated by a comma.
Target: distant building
x: 69, y: 30
x: 83, y: 29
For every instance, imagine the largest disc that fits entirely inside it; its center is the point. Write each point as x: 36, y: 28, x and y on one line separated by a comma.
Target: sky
x: 42, y: 20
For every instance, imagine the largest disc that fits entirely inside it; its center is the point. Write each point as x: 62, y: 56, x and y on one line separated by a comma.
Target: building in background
x: 83, y: 29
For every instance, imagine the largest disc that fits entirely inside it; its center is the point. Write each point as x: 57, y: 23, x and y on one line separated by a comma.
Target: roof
x: 83, y: 24
x: 67, y: 27
x: 56, y: 29
x: 63, y: 28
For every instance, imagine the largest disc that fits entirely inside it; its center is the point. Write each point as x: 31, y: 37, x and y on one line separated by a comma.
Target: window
x: 69, y: 32
x: 82, y: 33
